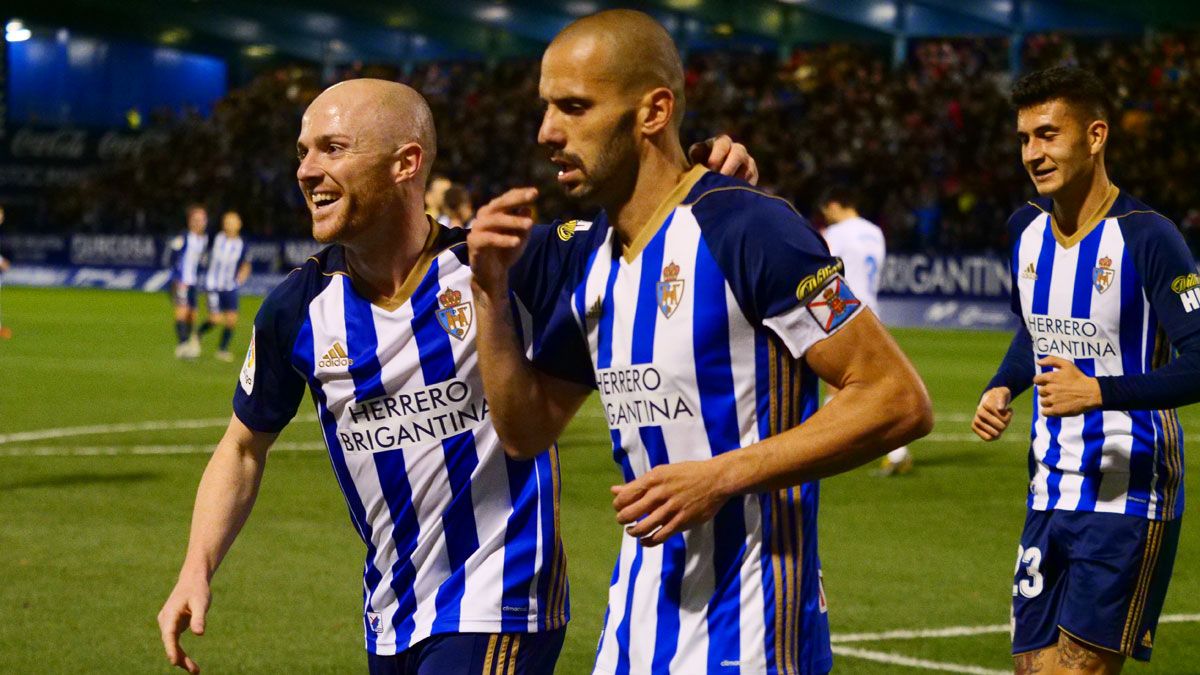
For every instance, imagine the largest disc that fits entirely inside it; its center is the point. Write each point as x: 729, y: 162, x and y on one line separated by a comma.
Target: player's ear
x: 1097, y: 136
x: 656, y: 111
x: 407, y: 162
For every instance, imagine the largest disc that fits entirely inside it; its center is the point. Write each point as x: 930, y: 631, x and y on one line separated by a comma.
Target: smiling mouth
x: 324, y: 200
x: 1042, y: 173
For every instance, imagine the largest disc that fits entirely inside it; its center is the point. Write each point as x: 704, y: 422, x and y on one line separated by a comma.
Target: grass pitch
x: 93, y: 523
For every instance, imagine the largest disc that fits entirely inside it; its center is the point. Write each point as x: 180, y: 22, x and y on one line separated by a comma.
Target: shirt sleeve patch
x: 814, y: 284
x: 247, y: 377
x: 832, y: 304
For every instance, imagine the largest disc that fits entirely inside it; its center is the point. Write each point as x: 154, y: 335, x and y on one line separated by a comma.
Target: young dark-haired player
x: 1106, y: 291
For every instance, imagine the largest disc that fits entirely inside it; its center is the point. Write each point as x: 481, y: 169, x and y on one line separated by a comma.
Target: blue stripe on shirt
x: 718, y: 408
x: 1093, y: 422
x: 460, y: 455
x: 362, y: 344
x: 1041, y: 305
x: 520, y: 544
x: 303, y: 358
x: 1133, y: 349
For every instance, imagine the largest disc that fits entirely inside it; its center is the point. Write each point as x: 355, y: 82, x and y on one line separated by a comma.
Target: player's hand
x: 667, y: 500
x: 723, y: 155
x: 1064, y: 390
x: 993, y: 414
x: 498, y: 236
x: 185, y: 609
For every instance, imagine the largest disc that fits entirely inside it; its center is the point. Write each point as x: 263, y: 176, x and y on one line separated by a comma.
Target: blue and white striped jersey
x: 1111, y: 298
x: 187, y: 253
x: 695, y: 338
x: 459, y: 537
x: 224, y: 259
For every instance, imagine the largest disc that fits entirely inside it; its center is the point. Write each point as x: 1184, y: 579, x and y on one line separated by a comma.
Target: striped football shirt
x: 1103, y: 299
x: 459, y: 538
x: 224, y: 259
x: 187, y: 253
x: 695, y: 338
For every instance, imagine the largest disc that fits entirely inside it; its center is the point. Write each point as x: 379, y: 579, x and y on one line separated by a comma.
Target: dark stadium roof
x: 393, y: 31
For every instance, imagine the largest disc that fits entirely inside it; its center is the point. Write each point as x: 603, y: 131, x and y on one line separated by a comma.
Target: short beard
x: 614, y: 173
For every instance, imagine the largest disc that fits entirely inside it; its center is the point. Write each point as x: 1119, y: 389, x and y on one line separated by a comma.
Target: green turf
x: 89, y: 546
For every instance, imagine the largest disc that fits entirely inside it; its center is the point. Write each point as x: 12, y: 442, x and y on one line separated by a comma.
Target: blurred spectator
x: 456, y: 205
x: 931, y: 143
x: 435, y: 198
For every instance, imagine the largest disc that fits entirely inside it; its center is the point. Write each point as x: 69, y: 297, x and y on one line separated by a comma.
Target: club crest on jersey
x: 567, y: 230
x: 670, y: 290
x: 455, y: 315
x: 1102, y: 275
x: 833, y: 304
x: 375, y: 622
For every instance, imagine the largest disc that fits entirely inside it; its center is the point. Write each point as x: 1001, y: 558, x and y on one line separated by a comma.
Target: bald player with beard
x: 464, y: 569
x: 704, y: 311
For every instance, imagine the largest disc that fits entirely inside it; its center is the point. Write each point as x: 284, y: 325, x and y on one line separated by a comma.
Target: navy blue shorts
x: 222, y: 301
x: 1099, y: 577
x: 475, y: 654
x: 183, y: 295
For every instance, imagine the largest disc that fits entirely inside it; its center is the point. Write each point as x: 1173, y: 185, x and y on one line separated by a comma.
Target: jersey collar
x: 656, y: 220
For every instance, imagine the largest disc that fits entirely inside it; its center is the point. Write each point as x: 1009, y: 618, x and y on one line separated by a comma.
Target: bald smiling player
x: 464, y: 570
x: 704, y: 311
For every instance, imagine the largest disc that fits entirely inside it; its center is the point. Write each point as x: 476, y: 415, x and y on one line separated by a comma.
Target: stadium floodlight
x: 15, y: 31
x: 582, y: 7
x: 493, y: 13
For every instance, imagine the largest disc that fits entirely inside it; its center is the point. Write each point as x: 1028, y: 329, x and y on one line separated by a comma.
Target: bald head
x: 378, y: 114
x: 628, y: 47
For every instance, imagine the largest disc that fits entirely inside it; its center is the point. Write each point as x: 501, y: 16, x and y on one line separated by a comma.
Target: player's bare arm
x: 223, y: 502
x: 882, y: 405
x: 529, y: 408
x: 993, y: 414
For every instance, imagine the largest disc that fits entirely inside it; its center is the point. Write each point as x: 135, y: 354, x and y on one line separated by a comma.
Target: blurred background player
x: 227, y: 270
x: 456, y: 205
x: 435, y: 198
x: 860, y: 245
x: 186, y: 256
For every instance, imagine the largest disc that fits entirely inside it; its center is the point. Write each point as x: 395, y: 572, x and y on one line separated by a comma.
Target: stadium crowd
x: 930, y: 145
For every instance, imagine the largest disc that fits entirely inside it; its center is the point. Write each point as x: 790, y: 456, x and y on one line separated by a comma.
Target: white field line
x: 113, y: 450
x: 954, y: 631
x: 901, y: 660
x: 121, y: 428
x: 839, y: 642
x: 964, y: 631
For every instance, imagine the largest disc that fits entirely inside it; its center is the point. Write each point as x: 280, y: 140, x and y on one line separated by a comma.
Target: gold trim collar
x: 668, y: 204
x: 1098, y: 216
